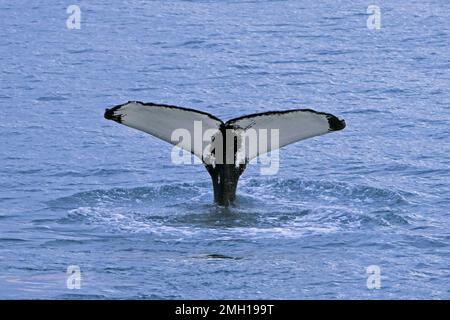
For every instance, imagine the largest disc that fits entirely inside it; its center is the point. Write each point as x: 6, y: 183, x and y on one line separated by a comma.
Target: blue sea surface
x: 77, y: 190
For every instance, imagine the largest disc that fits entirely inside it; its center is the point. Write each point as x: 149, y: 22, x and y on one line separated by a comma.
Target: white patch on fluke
x: 201, y: 133
x: 162, y: 121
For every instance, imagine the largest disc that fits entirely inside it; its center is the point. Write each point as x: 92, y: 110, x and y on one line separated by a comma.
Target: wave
x: 122, y: 196
x: 327, y: 190
x: 264, y: 208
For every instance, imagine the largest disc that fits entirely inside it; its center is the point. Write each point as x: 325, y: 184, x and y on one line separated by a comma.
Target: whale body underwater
x: 222, y: 149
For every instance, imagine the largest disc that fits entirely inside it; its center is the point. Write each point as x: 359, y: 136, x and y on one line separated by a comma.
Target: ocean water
x: 77, y: 190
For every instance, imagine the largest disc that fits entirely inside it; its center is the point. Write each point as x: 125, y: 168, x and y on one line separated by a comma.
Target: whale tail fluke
x: 162, y: 120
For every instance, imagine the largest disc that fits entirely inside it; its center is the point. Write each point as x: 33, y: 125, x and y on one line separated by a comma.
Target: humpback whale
x: 222, y: 140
